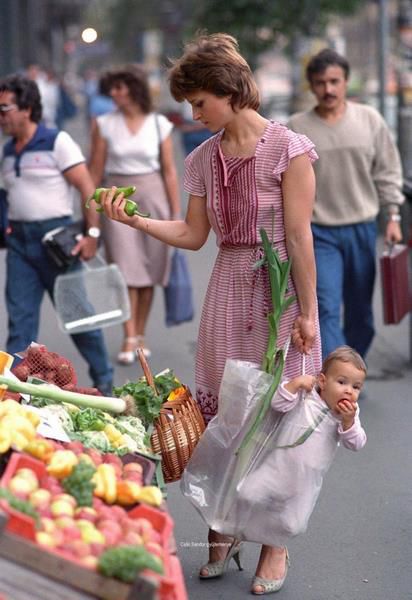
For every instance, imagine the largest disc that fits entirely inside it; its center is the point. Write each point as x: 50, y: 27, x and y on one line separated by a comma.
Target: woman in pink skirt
x: 252, y: 173
x: 132, y: 146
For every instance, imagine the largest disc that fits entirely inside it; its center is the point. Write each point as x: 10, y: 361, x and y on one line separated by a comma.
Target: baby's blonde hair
x: 344, y: 354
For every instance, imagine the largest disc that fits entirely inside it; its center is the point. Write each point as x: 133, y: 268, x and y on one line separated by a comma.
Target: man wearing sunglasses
x: 38, y: 167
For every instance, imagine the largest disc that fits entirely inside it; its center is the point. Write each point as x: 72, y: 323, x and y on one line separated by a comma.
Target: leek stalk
x: 274, y: 357
x: 43, y: 390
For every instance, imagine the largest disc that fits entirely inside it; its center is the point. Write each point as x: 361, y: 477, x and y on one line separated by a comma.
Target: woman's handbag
x: 60, y: 242
x: 396, y: 292
x: 178, y: 292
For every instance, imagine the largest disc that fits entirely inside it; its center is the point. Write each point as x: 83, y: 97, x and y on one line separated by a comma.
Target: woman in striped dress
x: 253, y: 173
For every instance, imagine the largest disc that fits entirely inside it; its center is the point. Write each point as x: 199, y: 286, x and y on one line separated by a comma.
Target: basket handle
x: 146, y: 369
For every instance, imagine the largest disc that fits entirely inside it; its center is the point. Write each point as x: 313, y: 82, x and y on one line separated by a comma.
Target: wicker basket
x: 176, y: 431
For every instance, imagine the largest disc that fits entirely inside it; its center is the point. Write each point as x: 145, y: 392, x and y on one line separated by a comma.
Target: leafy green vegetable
x: 93, y: 439
x: 79, y: 483
x: 89, y: 419
x: 22, y: 506
x: 148, y: 402
x: 125, y: 562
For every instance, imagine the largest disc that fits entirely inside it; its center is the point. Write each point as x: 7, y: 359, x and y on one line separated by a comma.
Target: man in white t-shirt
x: 38, y: 167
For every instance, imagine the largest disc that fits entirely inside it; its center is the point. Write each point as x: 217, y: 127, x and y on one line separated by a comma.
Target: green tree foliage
x: 258, y: 23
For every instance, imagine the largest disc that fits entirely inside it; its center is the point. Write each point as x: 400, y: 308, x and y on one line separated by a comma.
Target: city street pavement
x: 358, y: 544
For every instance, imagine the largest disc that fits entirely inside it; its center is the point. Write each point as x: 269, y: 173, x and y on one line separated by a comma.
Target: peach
x: 27, y: 473
x: 113, y: 459
x: 21, y: 487
x: 45, y: 539
x: 97, y: 503
x: 75, y: 446
x: 45, y: 511
x: 97, y: 549
x: 84, y: 524
x: 109, y: 524
x: 105, y: 512
x: 61, y: 507
x: 133, y: 467
x: 110, y: 537
x: 133, y: 538
x: 65, y: 498
x: 65, y: 521
x: 90, y: 562
x: 133, y: 476
x: 86, y: 512
x: 119, y: 513
x: 95, y: 456
x: 40, y: 498
x: 48, y: 525
x: 155, y: 549
x: 79, y: 548
x: 92, y: 535
x: 86, y: 458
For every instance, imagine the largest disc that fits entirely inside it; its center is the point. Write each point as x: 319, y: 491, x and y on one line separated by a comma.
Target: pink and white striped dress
x: 242, y: 195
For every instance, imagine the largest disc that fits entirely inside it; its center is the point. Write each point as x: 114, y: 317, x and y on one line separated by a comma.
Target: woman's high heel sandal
x: 270, y: 586
x: 219, y: 567
x: 127, y: 357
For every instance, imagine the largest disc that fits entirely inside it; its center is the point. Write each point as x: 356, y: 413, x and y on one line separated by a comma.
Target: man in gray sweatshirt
x: 358, y: 174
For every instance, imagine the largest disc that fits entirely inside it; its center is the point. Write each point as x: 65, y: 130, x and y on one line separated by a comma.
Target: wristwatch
x: 94, y: 232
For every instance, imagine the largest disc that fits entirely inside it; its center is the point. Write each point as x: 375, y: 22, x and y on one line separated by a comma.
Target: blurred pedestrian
x: 97, y: 101
x: 193, y: 132
x: 38, y: 167
x: 57, y: 103
x: 252, y: 173
x: 357, y: 174
x: 133, y: 146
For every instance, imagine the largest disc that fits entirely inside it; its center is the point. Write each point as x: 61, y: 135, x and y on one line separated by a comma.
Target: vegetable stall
x: 82, y: 493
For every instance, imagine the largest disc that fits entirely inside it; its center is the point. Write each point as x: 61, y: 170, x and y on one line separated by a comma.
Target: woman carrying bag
x: 133, y: 146
x: 252, y: 174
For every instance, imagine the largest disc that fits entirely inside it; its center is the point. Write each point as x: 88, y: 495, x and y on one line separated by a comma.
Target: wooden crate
x: 29, y: 573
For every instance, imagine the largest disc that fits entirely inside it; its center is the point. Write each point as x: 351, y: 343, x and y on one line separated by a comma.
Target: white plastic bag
x: 210, y: 478
x: 267, y: 493
x: 276, y: 497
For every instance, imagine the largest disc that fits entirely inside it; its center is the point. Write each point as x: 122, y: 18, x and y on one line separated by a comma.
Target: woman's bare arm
x: 190, y: 233
x: 298, y: 186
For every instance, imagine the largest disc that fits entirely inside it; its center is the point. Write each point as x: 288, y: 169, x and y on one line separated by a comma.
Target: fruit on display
x: 86, y: 533
x: 17, y: 425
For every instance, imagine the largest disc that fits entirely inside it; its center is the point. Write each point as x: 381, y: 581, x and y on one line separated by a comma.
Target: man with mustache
x: 358, y: 174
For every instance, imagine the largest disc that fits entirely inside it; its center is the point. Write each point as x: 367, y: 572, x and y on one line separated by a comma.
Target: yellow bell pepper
x: 61, y: 463
x: 5, y: 440
x: 176, y: 394
x: 40, y: 448
x: 10, y: 406
x: 14, y: 422
x: 127, y: 492
x: 105, y: 482
x: 150, y: 494
x: 112, y: 433
x: 18, y: 440
x: 32, y: 417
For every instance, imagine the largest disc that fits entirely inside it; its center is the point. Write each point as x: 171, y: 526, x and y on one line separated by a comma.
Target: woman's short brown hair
x: 213, y: 63
x: 135, y: 78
